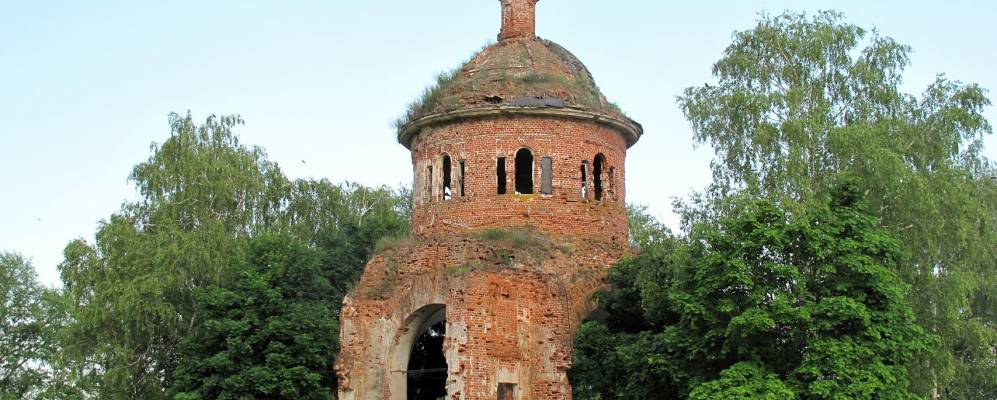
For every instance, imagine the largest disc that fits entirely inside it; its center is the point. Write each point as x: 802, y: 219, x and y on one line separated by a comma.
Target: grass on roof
x: 438, y: 97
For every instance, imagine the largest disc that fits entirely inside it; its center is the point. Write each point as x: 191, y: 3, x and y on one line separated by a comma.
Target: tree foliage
x: 30, y: 319
x: 346, y: 221
x: 764, y: 304
x: 270, y: 334
x: 744, y: 381
x: 204, y: 196
x: 799, y: 100
x: 645, y: 230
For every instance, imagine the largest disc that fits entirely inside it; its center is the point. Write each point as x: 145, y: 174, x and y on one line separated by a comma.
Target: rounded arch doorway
x: 418, y: 358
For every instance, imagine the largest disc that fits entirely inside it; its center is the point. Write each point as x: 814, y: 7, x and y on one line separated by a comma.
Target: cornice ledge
x: 630, y: 129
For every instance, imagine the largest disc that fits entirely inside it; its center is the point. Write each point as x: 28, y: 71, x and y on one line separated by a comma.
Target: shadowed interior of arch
x: 426, y: 373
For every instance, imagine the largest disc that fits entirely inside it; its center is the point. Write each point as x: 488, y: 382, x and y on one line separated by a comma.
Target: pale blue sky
x: 85, y: 86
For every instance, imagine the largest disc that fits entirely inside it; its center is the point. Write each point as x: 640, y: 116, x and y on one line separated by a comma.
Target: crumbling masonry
x: 519, y: 213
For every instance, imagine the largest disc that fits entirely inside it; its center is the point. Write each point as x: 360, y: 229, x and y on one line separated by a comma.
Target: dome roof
x: 516, y: 73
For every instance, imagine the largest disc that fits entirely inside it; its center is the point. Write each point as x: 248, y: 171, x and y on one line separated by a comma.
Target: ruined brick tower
x: 518, y: 214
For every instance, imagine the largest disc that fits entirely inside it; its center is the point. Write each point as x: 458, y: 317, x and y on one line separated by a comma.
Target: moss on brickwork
x: 520, y: 238
x: 512, y: 274
x: 510, y: 246
x: 506, y: 71
x: 490, y: 250
x: 393, y: 242
x: 515, y: 238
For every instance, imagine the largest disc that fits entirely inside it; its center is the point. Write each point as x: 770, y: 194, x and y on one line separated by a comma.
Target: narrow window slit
x: 524, y: 172
x: 612, y: 183
x: 500, y: 174
x: 429, y: 182
x: 546, y: 180
x: 447, y: 172
x: 463, y: 169
x: 597, y: 166
x: 585, y: 179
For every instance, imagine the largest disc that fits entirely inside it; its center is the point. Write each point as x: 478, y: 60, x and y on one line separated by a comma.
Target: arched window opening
x: 447, y: 168
x: 500, y: 175
x: 585, y: 179
x: 546, y: 176
x: 427, y: 367
x: 524, y: 171
x: 597, y: 166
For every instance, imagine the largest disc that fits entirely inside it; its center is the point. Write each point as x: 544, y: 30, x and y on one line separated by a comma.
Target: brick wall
x: 512, y: 303
x: 518, y: 19
x: 571, y: 144
x: 507, y: 322
x: 511, y: 308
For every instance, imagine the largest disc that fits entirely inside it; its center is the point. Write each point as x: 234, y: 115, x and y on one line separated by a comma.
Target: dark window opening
x: 506, y: 391
x: 447, y: 168
x: 546, y: 180
x: 612, y: 183
x: 463, y: 169
x: 597, y: 166
x: 524, y: 172
x: 427, y: 366
x: 585, y: 179
x: 500, y: 173
x: 429, y: 182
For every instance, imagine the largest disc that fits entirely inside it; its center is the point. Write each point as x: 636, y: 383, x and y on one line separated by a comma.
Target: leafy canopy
x: 270, y: 335
x: 764, y: 304
x: 30, y: 317
x: 203, y: 193
x: 204, y: 197
x: 799, y: 100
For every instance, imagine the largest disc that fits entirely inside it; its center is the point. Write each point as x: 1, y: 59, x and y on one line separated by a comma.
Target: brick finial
x: 519, y: 19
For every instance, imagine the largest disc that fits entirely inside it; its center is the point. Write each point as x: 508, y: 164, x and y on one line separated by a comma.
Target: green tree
x: 345, y: 222
x: 203, y: 193
x: 763, y: 304
x: 800, y: 100
x: 744, y: 381
x: 269, y: 335
x: 204, y: 197
x: 30, y: 318
x: 645, y: 230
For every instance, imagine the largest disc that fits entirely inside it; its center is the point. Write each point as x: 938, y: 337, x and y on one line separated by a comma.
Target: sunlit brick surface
x: 570, y: 144
x: 513, y: 274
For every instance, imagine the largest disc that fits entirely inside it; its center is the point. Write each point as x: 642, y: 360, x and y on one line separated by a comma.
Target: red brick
x: 511, y: 307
